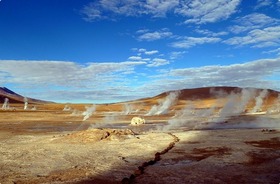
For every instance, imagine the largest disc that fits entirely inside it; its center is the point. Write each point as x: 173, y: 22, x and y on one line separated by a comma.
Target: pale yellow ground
x: 50, y: 145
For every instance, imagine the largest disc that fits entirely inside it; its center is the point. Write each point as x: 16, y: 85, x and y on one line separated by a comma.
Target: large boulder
x: 137, y: 121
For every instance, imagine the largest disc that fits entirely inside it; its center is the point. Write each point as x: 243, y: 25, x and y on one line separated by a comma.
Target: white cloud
x: 263, y: 3
x: 142, y: 50
x: 176, y: 54
x: 188, y: 42
x: 249, y: 74
x: 92, y: 13
x: 211, y: 33
x: 157, y: 35
x: 205, y: 11
x: 101, y: 82
x: 269, y: 36
x: 158, y: 62
x: 252, y: 21
x: 151, y: 52
x: 159, y: 8
x: 147, y: 52
x: 135, y: 58
x: 61, y: 73
x: 142, y: 31
x: 103, y: 9
x: 256, y: 70
x: 198, y: 11
x: 274, y: 51
x: 138, y: 58
x: 152, y: 60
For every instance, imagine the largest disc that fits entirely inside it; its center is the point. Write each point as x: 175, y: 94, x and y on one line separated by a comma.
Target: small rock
x: 137, y: 121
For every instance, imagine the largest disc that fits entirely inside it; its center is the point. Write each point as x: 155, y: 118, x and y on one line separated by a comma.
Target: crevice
x: 140, y: 170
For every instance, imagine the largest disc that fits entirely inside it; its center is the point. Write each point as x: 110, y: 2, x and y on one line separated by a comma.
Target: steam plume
x: 229, y: 115
x: 6, y: 104
x: 89, y: 111
x: 164, y: 107
x: 236, y: 103
x: 259, y: 101
x: 127, y: 109
x: 107, y: 121
x: 190, y: 118
x: 67, y: 108
x: 25, y: 103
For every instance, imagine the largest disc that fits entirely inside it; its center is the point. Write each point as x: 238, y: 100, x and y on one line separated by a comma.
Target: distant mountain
x: 16, y: 98
x: 213, y: 92
x: 208, y: 95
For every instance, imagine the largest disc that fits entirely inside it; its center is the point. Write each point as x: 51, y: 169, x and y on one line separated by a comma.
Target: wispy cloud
x: 145, y: 51
x: 211, y: 33
x: 160, y: 8
x: 195, y: 11
x: 139, y: 59
x: 188, y: 42
x: 66, y: 75
x: 158, y: 62
x: 207, y: 11
x: 258, y: 38
x: 176, y: 54
x: 108, y: 9
x: 152, y: 57
x: 274, y: 51
x: 263, y: 3
x: 151, y: 52
x: 156, y: 35
x: 101, y: 82
x: 251, y: 22
x: 250, y: 74
x: 234, y: 75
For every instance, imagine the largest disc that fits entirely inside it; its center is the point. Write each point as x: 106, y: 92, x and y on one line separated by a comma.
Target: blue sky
x: 116, y: 50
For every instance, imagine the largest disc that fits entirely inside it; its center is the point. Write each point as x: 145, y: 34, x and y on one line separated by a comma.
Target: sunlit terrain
x: 198, y: 132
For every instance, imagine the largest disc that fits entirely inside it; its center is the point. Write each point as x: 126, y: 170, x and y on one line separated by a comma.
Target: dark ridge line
x: 144, y: 165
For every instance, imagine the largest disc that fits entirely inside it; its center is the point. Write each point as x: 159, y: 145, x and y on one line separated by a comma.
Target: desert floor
x: 51, y: 145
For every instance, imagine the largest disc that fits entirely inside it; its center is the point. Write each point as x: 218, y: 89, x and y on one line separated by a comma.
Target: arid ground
x: 205, y: 135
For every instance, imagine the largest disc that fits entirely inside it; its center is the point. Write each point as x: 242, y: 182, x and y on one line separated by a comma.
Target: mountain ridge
x: 182, y: 94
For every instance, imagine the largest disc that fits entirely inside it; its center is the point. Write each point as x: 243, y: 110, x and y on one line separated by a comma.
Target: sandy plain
x: 54, y: 145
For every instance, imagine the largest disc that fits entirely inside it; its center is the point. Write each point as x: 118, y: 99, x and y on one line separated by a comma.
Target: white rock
x: 137, y: 121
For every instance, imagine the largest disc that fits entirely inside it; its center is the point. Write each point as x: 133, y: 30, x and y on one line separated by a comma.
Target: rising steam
x: 89, y: 111
x: 259, y: 101
x: 25, y: 103
x: 236, y: 104
x: 67, y: 108
x: 107, y: 121
x: 6, y: 104
x: 163, y: 107
x: 190, y: 117
x: 127, y: 109
x: 275, y: 108
x: 228, y: 116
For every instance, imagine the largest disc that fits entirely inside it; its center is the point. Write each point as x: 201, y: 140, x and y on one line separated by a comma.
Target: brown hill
x: 212, y: 92
x: 202, y: 97
x: 212, y: 96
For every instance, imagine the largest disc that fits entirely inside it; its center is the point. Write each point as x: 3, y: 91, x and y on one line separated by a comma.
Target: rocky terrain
x: 204, y: 135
